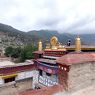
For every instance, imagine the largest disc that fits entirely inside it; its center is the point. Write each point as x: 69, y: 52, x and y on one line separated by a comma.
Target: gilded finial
x: 55, y: 45
x: 40, y: 45
x: 78, y: 44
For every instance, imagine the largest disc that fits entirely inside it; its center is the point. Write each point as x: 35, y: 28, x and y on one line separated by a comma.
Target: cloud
x: 73, y: 16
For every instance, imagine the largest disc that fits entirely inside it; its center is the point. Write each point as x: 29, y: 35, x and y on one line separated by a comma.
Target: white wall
x: 26, y: 74
x: 81, y: 75
x: 35, y: 78
x: 29, y: 74
x: 1, y: 81
x: 48, y: 80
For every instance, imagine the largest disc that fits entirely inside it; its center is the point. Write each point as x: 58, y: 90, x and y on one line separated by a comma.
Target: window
x: 48, y: 74
x: 40, y: 55
x: 40, y: 72
x: 9, y: 79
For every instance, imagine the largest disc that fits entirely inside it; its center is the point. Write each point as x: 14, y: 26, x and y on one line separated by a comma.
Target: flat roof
x: 51, y: 57
x: 4, y: 64
x: 51, y: 90
x: 75, y: 58
x: 84, y: 47
x: 47, y: 61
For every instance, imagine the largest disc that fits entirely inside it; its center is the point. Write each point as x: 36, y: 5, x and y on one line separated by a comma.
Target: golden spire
x: 78, y: 44
x: 40, y: 45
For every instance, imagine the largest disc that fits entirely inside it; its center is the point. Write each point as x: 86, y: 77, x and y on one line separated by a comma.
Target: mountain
x: 45, y: 35
x: 88, y: 39
x: 10, y: 36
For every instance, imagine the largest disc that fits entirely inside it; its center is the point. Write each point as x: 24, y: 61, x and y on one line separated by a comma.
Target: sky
x: 71, y: 16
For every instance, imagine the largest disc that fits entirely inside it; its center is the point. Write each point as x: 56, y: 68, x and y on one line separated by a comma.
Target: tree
x: 22, y: 56
x: 9, y: 51
x: 16, y: 52
x: 27, y: 52
x: 21, y: 53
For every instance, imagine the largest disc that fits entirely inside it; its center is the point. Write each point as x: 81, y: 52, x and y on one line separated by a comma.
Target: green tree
x: 21, y: 53
x: 27, y: 52
x: 9, y: 51
x: 22, y: 56
x: 16, y: 52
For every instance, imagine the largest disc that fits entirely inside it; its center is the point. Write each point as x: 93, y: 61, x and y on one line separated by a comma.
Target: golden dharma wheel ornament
x: 54, y: 41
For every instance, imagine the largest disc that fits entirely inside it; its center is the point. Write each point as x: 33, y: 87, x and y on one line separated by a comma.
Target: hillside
x: 88, y: 39
x: 45, y: 35
x: 10, y: 36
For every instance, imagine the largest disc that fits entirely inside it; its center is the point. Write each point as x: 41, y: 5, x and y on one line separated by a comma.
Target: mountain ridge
x: 32, y: 37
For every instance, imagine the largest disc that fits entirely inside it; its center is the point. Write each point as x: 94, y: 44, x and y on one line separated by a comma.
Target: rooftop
x: 44, y: 91
x: 6, y: 63
x: 9, y: 63
x: 87, y: 47
x: 74, y: 58
x: 47, y: 61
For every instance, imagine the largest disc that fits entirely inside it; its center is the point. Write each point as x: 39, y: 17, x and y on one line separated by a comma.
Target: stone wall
x: 81, y: 75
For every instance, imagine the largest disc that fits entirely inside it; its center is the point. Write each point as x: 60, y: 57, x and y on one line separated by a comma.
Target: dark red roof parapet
x: 16, y: 69
x: 74, y: 58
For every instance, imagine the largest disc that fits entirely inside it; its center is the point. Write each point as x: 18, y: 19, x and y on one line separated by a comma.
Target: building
x: 19, y: 76
x: 76, y: 70
x: 65, y: 68
x: 46, y: 62
x: 70, y: 66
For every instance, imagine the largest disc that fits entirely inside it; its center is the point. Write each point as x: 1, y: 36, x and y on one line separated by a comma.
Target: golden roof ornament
x: 78, y: 44
x: 61, y: 47
x: 48, y: 47
x: 54, y: 45
x: 54, y: 41
x: 40, y: 45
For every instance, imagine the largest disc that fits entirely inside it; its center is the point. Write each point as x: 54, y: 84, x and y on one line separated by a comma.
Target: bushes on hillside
x: 21, y: 53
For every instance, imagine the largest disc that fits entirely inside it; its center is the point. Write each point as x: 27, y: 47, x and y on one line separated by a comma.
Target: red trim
x: 10, y: 70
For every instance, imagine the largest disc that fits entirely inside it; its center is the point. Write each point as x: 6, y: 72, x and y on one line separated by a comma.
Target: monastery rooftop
x: 44, y: 91
x: 47, y: 61
x: 9, y: 63
x: 74, y: 58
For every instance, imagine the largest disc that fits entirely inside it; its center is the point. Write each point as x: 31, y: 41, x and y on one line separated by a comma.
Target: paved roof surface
x: 74, y: 58
x: 44, y: 91
x: 47, y: 60
x: 6, y: 63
